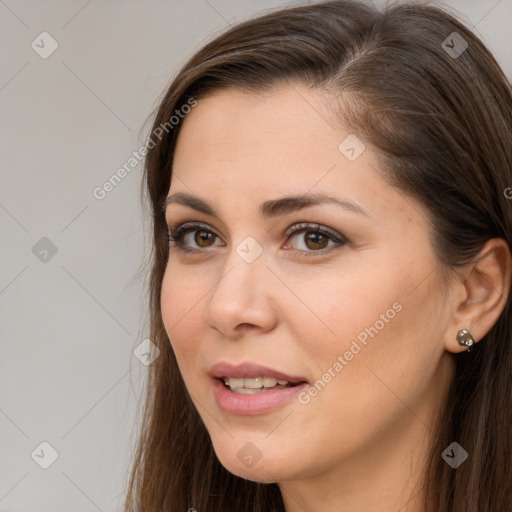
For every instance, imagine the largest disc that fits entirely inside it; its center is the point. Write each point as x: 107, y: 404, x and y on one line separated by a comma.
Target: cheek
x: 181, y: 315
x: 377, y: 320
x: 333, y: 309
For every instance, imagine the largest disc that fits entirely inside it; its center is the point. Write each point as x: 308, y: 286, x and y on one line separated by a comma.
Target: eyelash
x: 183, y: 229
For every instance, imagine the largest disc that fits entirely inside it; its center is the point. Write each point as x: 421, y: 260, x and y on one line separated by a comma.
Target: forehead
x: 238, y: 148
x: 286, y: 135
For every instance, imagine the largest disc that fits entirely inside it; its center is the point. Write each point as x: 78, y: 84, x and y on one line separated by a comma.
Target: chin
x: 260, y: 473
x: 246, y: 461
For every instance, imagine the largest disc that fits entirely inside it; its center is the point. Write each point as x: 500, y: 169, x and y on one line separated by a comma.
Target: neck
x: 388, y: 477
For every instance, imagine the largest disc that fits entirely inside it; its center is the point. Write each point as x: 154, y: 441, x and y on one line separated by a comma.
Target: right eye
x: 193, y: 237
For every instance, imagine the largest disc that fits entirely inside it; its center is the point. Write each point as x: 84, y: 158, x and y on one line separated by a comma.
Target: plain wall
x: 71, y: 303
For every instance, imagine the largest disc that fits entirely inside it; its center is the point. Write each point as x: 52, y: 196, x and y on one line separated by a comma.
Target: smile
x: 251, y: 388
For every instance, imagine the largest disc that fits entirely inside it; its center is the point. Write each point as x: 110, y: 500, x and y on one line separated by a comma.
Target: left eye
x: 312, y: 239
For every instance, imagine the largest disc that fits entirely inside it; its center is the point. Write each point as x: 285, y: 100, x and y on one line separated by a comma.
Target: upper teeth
x: 254, y: 383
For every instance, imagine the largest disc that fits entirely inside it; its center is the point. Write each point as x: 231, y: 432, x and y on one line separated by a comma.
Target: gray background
x: 71, y: 320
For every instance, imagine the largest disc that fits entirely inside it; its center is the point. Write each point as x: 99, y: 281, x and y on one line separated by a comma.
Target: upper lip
x: 250, y: 370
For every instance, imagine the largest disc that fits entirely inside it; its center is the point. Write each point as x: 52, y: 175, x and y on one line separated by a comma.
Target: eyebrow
x: 271, y: 208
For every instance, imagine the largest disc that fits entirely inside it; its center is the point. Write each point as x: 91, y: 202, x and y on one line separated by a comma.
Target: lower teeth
x: 249, y: 391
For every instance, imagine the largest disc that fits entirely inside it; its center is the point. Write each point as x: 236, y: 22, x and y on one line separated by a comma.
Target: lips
x: 252, y: 389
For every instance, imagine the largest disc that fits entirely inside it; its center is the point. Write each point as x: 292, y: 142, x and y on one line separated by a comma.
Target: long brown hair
x: 441, y: 124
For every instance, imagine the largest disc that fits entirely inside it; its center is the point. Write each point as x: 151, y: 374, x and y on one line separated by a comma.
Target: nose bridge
x: 241, y: 294
x: 245, y: 266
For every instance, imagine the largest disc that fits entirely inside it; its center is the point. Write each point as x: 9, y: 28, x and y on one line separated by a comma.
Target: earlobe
x: 465, y: 339
x: 486, y: 288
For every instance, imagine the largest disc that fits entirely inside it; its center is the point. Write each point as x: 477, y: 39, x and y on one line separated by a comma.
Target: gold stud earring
x: 464, y: 338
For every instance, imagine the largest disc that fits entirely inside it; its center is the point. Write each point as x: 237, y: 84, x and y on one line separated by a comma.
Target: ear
x: 481, y: 292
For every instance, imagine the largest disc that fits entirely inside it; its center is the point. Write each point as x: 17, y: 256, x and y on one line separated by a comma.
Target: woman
x: 330, y: 289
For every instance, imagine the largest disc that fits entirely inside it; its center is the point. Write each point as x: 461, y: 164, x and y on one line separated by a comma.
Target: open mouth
x: 250, y: 386
x: 252, y: 389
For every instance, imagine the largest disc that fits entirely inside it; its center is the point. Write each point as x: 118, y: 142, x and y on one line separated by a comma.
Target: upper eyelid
x: 294, y: 229
x: 313, y: 226
x: 191, y: 224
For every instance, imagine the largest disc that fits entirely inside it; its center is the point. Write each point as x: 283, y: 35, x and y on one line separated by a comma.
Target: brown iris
x: 317, y: 240
x: 202, y: 236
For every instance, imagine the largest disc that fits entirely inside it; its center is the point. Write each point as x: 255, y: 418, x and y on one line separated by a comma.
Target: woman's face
x: 349, y: 305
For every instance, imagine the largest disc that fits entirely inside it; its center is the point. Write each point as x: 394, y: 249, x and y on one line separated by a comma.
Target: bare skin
x: 359, y: 443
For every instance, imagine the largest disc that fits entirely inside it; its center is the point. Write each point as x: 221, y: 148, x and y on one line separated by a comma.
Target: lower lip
x: 257, y: 403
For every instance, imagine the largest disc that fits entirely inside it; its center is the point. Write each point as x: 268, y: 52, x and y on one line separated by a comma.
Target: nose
x: 242, y: 299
